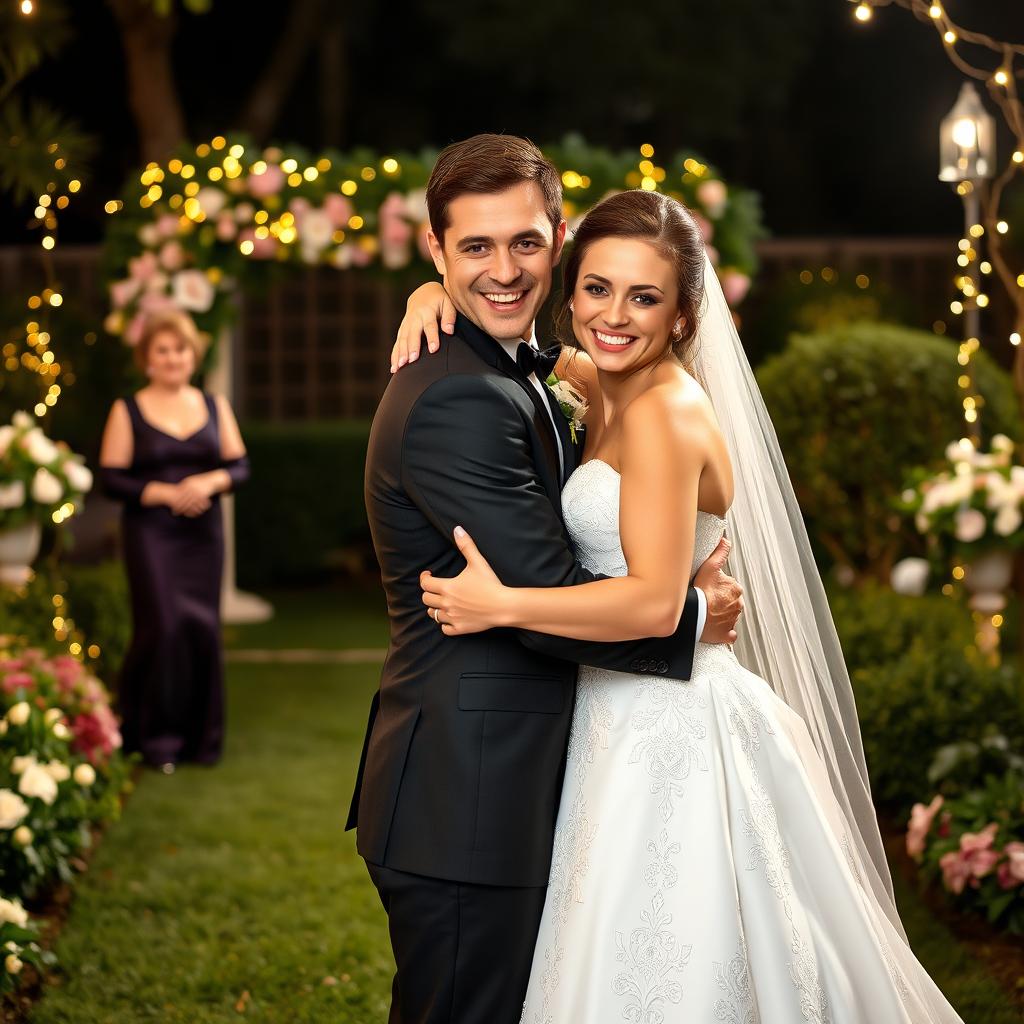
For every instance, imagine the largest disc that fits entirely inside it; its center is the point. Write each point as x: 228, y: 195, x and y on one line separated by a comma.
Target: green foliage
x: 95, y: 597
x: 303, y: 509
x: 917, y: 686
x: 857, y: 406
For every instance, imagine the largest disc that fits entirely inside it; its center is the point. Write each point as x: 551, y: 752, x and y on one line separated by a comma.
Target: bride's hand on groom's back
x: 724, y: 596
x: 428, y: 308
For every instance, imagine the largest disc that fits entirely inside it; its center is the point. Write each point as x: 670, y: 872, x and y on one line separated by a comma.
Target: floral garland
x: 185, y: 234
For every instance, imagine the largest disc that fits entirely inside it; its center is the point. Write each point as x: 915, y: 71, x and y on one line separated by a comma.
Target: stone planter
x: 18, y: 550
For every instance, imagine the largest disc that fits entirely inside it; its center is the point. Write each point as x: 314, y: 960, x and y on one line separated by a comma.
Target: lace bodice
x: 590, y: 507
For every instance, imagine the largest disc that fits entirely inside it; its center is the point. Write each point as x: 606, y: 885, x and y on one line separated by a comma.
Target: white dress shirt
x: 511, y: 346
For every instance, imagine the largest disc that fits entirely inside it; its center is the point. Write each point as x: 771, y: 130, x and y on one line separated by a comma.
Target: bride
x: 716, y: 852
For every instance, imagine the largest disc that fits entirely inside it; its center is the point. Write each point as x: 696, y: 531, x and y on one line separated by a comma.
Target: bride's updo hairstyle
x: 647, y: 217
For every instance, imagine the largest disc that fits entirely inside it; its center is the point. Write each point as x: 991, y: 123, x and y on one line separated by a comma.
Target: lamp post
x: 967, y: 158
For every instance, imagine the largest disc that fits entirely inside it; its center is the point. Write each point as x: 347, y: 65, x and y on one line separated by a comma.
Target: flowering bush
x: 976, y: 847
x: 60, y: 771
x: 18, y: 945
x: 183, y: 234
x: 39, y: 480
x: 974, y: 503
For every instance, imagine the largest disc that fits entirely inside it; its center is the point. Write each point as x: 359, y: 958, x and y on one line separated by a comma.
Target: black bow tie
x: 530, y: 360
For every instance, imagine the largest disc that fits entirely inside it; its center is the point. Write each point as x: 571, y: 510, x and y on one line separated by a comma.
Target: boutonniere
x: 570, y: 401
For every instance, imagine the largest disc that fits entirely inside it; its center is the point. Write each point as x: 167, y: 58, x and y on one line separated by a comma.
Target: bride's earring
x: 572, y: 308
x: 677, y: 331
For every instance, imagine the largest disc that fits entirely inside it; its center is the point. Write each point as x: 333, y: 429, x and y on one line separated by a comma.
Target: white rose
x: 910, y: 576
x: 211, y: 200
x: 79, y: 476
x: 12, y: 495
x: 21, y: 764
x: 416, y: 205
x: 1001, y: 443
x: 192, y: 290
x: 38, y: 782
x: 21, y: 420
x: 315, y: 232
x: 149, y: 235
x: 12, y: 963
x: 6, y: 436
x: 970, y: 525
x: 46, y: 488
x: 53, y: 715
x: 85, y: 775
x: 58, y: 771
x: 61, y: 731
x: 23, y: 835
x: 12, y: 947
x: 41, y: 450
x: 18, y: 714
x: 14, y: 912
x: 12, y: 808
x: 1008, y: 520
x: 922, y: 522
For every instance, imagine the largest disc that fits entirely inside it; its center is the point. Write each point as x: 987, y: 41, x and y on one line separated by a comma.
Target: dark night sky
x: 834, y: 123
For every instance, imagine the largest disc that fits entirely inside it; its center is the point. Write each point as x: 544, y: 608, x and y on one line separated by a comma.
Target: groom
x: 462, y: 766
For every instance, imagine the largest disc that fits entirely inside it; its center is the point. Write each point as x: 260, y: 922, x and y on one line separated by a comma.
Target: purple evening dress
x: 171, y: 690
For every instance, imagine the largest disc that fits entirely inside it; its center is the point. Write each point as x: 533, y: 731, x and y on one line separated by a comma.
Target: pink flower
x: 172, y: 255
x: 262, y: 248
x: 143, y: 266
x: 67, y: 670
x: 299, y: 205
x: 920, y: 824
x: 974, y: 860
x: 193, y: 291
x: 133, y: 332
x: 167, y: 225
x: 122, y: 292
x: 269, y: 183
x: 1011, y: 871
x: 338, y: 208
x: 96, y: 734
x: 226, y: 227
x: 970, y: 525
x: 713, y: 195
x: 735, y: 286
x: 11, y: 664
x: 707, y: 229
x: 15, y: 681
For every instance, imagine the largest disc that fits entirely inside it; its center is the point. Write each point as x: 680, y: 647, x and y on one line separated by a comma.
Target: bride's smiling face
x: 625, y: 305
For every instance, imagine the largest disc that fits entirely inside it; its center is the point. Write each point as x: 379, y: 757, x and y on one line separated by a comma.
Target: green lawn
x: 233, y: 894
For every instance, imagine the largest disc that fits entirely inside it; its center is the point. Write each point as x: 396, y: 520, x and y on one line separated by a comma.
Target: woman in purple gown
x: 168, y: 453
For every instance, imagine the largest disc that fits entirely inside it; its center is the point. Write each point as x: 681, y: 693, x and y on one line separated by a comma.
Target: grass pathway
x: 233, y: 894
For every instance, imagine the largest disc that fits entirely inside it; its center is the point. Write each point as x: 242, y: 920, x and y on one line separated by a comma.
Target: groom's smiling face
x: 496, y: 255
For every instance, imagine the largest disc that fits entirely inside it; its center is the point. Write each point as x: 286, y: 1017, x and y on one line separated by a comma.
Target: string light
x: 863, y: 12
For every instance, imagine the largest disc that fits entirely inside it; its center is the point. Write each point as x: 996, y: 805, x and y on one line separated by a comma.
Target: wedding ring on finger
x: 433, y: 614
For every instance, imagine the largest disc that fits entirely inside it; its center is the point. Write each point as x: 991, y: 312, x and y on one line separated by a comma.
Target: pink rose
x: 339, y: 208
x: 263, y: 248
x: 226, y: 227
x: 167, y: 225
x: 133, y: 332
x: 970, y: 525
x: 707, y: 229
x: 955, y: 871
x: 735, y: 286
x: 172, y: 255
x: 15, y: 681
x: 713, y: 255
x: 299, y: 205
x: 269, y: 183
x: 921, y: 818
x: 713, y: 195
x: 96, y: 734
x: 67, y: 670
x: 143, y: 266
x: 122, y: 292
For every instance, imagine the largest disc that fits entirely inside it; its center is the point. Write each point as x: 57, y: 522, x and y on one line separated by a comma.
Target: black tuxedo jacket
x: 465, y: 749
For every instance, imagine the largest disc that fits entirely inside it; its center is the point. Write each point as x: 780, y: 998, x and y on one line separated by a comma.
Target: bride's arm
x: 427, y: 308
x: 663, y: 452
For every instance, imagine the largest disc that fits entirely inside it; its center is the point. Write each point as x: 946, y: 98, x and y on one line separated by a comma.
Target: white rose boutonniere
x: 570, y: 401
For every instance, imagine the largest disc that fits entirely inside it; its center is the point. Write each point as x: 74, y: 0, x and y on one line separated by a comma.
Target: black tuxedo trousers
x: 461, y: 770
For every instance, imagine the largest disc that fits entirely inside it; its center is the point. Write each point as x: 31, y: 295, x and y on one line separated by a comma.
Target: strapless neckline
x: 611, y: 468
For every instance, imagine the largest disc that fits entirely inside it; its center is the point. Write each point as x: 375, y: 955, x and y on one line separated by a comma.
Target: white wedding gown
x: 700, y: 870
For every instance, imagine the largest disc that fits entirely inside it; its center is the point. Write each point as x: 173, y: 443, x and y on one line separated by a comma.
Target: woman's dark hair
x: 648, y: 217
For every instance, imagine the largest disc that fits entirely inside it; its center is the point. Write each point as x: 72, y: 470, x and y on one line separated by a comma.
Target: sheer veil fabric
x: 787, y: 635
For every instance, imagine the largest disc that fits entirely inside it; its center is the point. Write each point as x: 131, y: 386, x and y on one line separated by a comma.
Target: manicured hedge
x: 855, y: 408
x: 301, y: 515
x: 918, y: 687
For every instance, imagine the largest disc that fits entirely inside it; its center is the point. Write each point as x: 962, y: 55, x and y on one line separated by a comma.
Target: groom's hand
x: 724, y: 596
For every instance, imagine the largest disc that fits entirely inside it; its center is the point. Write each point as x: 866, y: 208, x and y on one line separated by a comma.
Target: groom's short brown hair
x: 490, y: 163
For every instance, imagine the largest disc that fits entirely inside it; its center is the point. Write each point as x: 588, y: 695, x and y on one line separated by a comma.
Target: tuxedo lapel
x: 564, y: 434
x: 489, y: 350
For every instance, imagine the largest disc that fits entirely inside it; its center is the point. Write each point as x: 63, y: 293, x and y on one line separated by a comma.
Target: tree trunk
x: 152, y: 92
x: 305, y: 21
